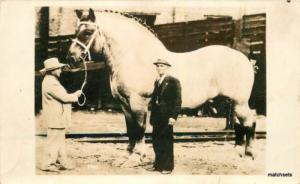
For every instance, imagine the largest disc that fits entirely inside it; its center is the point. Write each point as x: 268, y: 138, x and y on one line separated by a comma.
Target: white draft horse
x: 131, y: 48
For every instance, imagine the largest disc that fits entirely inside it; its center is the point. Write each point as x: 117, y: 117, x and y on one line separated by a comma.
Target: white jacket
x: 56, y: 103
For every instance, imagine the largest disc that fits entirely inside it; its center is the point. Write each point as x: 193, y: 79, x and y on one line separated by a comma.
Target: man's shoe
x: 166, y: 172
x: 66, y: 166
x: 50, y: 168
x: 152, y: 169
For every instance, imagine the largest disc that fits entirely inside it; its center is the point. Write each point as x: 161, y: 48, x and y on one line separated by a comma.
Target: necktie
x: 157, y: 90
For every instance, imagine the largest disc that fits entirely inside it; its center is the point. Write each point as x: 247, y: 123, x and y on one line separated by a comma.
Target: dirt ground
x: 114, y: 122
x: 201, y: 158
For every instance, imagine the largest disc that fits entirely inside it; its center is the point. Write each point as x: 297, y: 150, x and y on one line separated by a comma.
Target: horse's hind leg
x: 239, y: 132
x: 244, y: 126
x: 250, y: 135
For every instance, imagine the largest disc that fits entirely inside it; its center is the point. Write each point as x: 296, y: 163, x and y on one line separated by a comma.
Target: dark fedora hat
x: 162, y: 61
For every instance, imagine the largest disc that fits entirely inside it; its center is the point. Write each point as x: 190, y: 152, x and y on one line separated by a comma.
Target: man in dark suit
x: 165, y: 107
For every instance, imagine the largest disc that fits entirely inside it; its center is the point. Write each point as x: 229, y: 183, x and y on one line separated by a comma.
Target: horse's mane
x: 125, y: 14
x: 142, y: 22
x: 128, y: 31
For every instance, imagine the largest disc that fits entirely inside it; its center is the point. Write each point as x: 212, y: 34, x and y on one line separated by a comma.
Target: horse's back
x: 213, y: 70
x: 234, y: 74
x: 219, y: 54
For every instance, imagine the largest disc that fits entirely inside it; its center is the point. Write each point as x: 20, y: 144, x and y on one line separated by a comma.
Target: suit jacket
x: 166, y: 100
x: 56, y: 103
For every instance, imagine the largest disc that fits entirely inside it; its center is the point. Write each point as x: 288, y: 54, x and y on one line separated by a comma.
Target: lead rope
x: 86, y: 53
x: 82, y: 86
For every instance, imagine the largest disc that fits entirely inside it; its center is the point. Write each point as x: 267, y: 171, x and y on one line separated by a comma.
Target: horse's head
x: 88, y: 39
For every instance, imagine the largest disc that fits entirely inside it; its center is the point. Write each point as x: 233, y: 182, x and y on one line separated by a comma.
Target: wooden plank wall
x: 57, y: 46
x: 188, y: 36
x: 254, y: 31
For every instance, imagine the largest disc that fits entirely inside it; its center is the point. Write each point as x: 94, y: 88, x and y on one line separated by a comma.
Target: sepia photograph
x: 150, y: 92
x: 140, y: 90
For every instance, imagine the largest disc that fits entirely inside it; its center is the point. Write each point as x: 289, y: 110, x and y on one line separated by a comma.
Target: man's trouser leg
x: 51, y: 147
x: 156, y: 146
x: 62, y: 154
x: 167, y: 149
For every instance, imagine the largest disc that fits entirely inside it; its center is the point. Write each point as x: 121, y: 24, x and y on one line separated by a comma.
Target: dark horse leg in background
x: 229, y: 115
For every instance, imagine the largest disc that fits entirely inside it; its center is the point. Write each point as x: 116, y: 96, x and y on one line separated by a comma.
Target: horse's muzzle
x: 73, y: 62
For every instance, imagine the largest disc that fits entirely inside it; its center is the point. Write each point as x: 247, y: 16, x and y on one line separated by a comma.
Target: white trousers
x: 55, y: 147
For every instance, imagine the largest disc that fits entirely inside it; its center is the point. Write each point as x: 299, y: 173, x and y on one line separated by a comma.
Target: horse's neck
x: 132, y: 44
x: 110, y: 54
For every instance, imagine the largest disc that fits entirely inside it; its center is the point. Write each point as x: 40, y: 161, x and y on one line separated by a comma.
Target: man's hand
x: 78, y: 93
x: 172, y: 121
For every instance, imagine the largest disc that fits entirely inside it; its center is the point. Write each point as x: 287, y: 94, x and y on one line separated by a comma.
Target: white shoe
x: 50, y: 168
x: 166, y: 172
x: 67, y: 166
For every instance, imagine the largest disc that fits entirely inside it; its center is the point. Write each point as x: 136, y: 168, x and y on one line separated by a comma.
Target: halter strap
x: 87, y: 47
x: 86, y: 51
x: 87, y: 23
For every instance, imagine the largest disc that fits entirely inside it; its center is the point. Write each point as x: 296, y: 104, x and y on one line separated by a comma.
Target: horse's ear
x: 78, y: 13
x: 92, y: 16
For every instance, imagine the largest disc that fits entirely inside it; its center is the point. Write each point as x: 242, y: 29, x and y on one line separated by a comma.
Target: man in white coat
x: 56, y: 114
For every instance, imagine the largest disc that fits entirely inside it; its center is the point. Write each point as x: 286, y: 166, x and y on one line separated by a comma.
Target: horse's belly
x: 195, y: 95
x: 192, y: 104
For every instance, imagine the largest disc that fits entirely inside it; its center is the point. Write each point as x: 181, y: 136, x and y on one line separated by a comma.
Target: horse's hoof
x: 145, y: 160
x: 134, y: 160
x: 119, y: 162
x: 239, y: 150
x: 130, y: 148
x: 249, y: 153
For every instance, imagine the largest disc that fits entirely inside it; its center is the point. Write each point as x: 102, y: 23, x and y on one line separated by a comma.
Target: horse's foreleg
x: 138, y: 106
x: 136, y: 125
x: 129, y: 126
